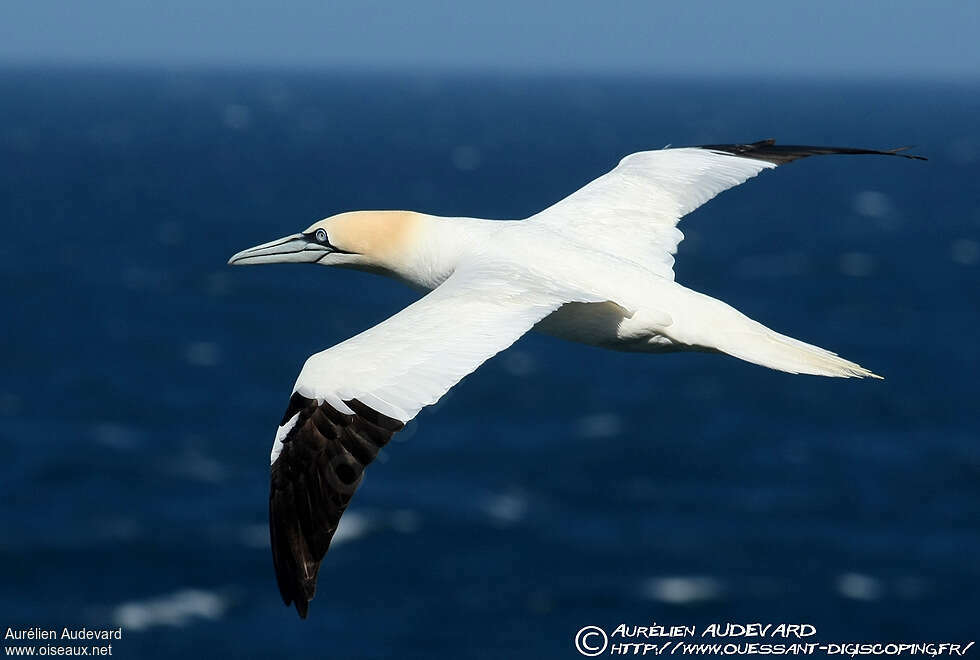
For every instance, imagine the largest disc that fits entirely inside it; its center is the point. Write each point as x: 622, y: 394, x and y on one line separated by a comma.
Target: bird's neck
x: 434, y: 249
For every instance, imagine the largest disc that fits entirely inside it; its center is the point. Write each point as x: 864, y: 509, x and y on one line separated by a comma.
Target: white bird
x: 596, y: 267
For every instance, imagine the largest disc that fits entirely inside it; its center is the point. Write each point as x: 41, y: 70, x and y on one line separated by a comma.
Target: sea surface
x: 560, y: 486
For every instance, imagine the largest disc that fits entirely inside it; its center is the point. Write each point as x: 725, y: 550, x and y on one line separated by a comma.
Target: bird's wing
x: 350, y: 399
x: 633, y: 210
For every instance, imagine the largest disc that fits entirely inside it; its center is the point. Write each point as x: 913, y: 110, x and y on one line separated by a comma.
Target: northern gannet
x: 596, y: 268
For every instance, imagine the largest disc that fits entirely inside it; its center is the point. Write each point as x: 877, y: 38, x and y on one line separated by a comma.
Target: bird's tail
x: 776, y: 351
x: 718, y: 326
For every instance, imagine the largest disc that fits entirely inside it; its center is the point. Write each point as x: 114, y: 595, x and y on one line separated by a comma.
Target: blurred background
x: 141, y: 144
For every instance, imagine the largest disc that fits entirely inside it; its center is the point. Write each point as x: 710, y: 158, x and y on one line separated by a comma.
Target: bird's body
x: 596, y: 268
x: 434, y: 247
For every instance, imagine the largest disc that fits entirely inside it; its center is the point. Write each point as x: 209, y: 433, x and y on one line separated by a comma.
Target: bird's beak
x: 296, y: 249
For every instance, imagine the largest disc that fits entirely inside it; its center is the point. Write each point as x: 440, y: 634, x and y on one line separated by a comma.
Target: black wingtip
x: 319, y: 467
x: 780, y: 154
x: 896, y: 152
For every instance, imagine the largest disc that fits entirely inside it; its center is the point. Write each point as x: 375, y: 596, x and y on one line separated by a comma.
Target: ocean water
x: 560, y: 486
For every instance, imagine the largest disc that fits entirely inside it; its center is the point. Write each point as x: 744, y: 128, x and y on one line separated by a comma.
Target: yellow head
x: 366, y: 239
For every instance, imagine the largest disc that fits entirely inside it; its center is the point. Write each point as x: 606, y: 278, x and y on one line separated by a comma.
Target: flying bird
x: 596, y: 268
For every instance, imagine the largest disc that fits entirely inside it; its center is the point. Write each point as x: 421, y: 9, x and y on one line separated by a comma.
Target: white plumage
x: 633, y: 210
x: 410, y: 360
x: 596, y: 267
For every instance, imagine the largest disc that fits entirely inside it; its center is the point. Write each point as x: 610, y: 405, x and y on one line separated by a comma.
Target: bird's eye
x: 321, y: 235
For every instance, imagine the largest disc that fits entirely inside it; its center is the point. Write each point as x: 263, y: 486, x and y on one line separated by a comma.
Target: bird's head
x: 357, y: 239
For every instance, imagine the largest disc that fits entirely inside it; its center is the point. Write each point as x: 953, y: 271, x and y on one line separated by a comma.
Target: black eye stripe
x: 318, y: 236
x: 315, y: 236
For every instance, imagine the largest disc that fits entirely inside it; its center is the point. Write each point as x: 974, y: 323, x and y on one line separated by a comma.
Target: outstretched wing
x: 633, y: 210
x: 350, y: 399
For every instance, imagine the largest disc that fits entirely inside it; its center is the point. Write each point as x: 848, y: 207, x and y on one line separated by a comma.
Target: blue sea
x: 558, y: 487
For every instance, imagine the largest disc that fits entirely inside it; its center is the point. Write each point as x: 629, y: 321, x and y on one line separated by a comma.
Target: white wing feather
x: 410, y: 360
x: 632, y: 211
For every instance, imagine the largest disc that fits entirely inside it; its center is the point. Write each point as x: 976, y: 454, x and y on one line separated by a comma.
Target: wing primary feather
x: 312, y: 481
x: 780, y: 154
x: 346, y: 398
x: 632, y: 211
